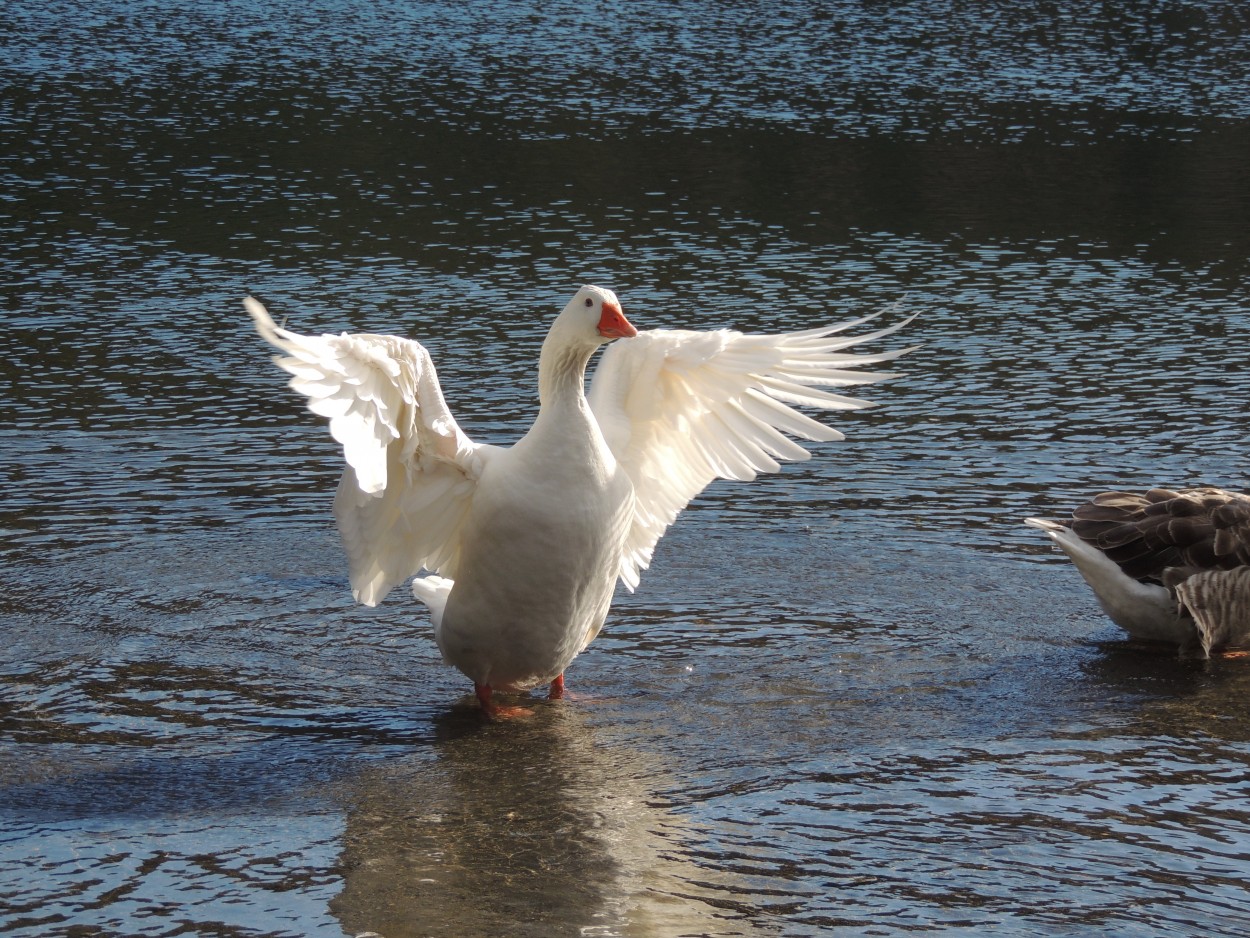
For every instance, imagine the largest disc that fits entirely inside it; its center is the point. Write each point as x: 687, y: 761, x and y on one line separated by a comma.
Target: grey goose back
x: 1167, y: 566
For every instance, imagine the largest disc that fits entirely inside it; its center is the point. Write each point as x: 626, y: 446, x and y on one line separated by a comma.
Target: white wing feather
x: 411, y: 471
x: 680, y: 409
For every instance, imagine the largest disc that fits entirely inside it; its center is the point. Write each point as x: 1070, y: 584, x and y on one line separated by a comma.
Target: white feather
x: 680, y: 409
x: 411, y: 470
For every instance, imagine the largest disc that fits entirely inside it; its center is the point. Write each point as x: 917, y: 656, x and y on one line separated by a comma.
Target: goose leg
x: 556, y: 691
x: 492, y: 709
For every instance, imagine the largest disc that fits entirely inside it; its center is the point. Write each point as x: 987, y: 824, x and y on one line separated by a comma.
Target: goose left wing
x: 679, y: 409
x: 411, y: 471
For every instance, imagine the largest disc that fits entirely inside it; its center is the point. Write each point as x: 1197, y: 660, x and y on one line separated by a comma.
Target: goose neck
x: 562, y: 372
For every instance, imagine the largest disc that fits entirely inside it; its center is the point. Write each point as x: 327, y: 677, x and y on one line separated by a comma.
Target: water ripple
x: 855, y: 696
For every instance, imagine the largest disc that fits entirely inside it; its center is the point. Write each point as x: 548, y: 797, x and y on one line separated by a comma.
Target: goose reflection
x: 1202, y: 700
x: 537, y: 827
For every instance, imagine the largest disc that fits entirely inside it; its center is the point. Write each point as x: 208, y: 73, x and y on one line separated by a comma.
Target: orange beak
x: 613, y: 324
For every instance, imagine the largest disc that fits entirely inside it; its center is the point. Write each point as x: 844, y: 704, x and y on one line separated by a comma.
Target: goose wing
x: 411, y: 471
x: 680, y: 409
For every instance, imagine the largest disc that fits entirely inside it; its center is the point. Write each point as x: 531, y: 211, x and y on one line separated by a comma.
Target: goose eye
x: 589, y: 301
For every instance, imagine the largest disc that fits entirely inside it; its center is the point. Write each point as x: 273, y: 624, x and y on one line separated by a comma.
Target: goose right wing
x: 411, y: 471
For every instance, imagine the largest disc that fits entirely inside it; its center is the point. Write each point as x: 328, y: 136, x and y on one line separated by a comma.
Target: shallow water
x: 854, y: 698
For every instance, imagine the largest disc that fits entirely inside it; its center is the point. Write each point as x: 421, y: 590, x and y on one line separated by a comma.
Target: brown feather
x: 1106, y: 534
x: 1167, y: 535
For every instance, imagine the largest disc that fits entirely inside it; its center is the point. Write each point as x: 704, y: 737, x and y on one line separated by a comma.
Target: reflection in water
x: 1178, y: 699
x: 530, y: 828
x: 946, y: 764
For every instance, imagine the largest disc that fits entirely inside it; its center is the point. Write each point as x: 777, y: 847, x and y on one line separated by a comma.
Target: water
x: 855, y: 698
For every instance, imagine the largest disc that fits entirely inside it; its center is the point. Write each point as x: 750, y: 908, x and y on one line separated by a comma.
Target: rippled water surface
x: 856, y: 698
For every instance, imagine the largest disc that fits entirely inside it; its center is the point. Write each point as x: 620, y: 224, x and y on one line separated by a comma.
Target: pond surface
x: 857, y: 697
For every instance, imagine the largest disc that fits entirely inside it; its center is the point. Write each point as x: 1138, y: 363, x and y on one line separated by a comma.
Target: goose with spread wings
x: 1168, y: 566
x: 520, y: 547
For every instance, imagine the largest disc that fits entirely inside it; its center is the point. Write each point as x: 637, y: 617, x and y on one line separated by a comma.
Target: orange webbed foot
x: 494, y: 710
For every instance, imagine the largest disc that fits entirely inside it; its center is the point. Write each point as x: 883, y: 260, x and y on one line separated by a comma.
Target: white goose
x: 524, y: 544
x: 1167, y: 566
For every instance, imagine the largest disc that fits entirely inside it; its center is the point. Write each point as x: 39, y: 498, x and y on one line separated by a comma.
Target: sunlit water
x: 856, y: 698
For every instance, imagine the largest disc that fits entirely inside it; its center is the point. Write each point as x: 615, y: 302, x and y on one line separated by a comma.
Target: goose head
x: 591, y: 318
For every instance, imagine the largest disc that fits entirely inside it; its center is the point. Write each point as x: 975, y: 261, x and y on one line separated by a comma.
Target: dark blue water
x: 856, y: 698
